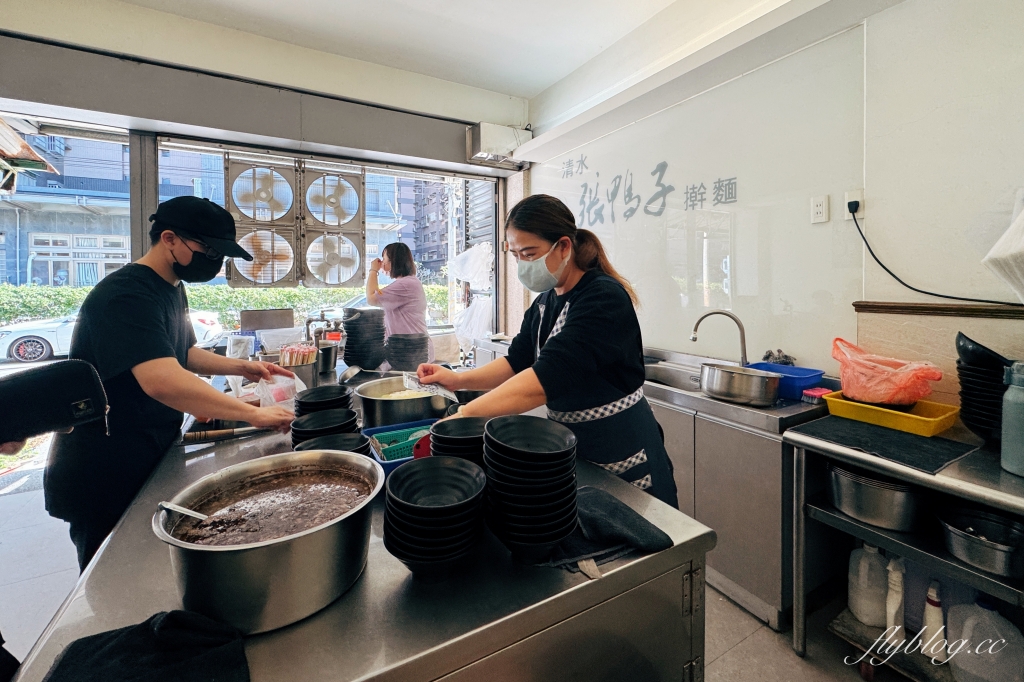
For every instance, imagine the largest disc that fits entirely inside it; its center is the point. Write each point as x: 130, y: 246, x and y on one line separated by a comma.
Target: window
x: 165, y: 153
x: 68, y: 219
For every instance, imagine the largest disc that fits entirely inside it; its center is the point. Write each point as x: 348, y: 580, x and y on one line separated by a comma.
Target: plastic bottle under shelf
x: 869, y: 585
x: 894, y: 598
x: 934, y: 638
x: 977, y: 623
x: 1012, y: 455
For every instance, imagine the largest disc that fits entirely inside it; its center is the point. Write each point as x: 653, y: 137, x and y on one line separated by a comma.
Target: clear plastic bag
x: 1006, y: 259
x: 280, y: 391
x: 876, y: 379
x: 474, y: 322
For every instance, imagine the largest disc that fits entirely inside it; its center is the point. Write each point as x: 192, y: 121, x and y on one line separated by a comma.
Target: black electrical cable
x: 853, y: 206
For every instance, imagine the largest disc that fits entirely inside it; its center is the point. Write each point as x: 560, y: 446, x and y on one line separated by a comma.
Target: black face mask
x: 201, y: 268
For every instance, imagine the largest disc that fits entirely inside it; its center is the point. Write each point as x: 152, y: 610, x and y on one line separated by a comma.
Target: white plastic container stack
x: 869, y: 584
x: 977, y: 623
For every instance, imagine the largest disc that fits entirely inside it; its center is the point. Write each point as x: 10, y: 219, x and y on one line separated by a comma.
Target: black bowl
x: 435, y: 570
x: 528, y: 521
x: 348, y: 442
x: 432, y: 486
x: 548, y: 480
x: 514, y: 486
x: 461, y: 447
x: 406, y: 551
x: 528, y: 470
x: 994, y: 417
x: 529, y: 511
x: 502, y: 496
x: 552, y: 535
x: 475, y: 457
x: 973, y: 353
x: 977, y: 386
x: 435, y: 525
x: 462, y: 431
x: 981, y: 372
x: 323, y: 394
x: 326, y: 419
x: 534, y: 552
x: 529, y: 532
x: 432, y: 543
x: 529, y: 438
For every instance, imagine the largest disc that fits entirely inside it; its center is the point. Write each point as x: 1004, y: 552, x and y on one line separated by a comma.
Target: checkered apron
x: 621, y: 437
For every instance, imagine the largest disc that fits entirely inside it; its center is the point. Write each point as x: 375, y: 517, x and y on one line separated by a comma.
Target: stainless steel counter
x: 496, y: 619
x: 785, y: 413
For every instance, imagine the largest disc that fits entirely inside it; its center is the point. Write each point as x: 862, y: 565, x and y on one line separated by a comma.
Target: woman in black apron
x: 579, y: 350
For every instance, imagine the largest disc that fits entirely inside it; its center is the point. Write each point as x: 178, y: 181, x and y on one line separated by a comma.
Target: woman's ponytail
x: 590, y: 255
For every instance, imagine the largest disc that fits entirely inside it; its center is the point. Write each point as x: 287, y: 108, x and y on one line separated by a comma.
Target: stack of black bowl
x: 326, y: 423
x: 432, y: 518
x: 347, y: 442
x: 463, y: 437
x: 531, y: 484
x: 406, y: 352
x: 323, y: 398
x: 364, y: 337
x: 980, y: 371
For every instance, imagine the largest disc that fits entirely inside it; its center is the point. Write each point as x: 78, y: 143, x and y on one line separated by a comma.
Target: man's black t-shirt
x: 132, y: 316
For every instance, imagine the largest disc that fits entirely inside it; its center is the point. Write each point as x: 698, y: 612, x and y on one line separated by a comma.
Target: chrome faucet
x: 743, y: 334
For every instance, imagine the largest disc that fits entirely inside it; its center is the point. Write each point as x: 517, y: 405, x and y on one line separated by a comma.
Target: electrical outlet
x: 855, y: 195
x: 819, y: 209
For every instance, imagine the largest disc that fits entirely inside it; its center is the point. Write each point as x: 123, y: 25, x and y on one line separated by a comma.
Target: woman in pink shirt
x: 403, y: 301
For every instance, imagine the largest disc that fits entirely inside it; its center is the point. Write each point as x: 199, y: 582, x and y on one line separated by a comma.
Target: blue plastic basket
x: 391, y: 465
x: 795, y: 380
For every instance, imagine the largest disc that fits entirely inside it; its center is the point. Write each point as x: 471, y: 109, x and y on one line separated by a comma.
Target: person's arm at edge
x: 167, y: 382
x: 202, y: 361
x: 521, y: 393
x: 372, y: 287
x: 491, y: 375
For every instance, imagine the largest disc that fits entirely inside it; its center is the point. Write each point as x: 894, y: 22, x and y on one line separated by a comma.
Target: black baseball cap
x: 195, y: 217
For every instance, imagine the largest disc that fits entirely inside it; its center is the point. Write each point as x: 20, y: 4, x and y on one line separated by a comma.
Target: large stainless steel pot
x: 266, y: 585
x: 740, y: 385
x: 879, y: 501
x: 380, y: 411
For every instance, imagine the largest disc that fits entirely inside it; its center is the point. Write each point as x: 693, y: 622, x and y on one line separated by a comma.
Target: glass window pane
x: 64, y: 218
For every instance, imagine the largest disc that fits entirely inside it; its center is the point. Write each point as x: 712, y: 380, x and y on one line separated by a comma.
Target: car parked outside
x: 43, y: 339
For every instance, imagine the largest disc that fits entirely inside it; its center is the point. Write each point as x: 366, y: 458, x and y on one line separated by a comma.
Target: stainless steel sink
x: 678, y: 370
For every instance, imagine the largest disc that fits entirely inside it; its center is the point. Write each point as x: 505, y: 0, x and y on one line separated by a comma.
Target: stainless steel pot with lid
x: 266, y: 585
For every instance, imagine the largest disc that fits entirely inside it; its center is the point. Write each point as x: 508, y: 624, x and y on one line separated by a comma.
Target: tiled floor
x: 739, y: 648
x: 38, y: 564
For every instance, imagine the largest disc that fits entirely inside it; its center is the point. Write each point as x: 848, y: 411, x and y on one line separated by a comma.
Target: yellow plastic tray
x: 926, y: 419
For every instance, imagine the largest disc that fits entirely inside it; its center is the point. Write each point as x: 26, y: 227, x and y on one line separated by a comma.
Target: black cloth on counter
x: 608, y: 530
x: 172, y: 646
x: 132, y: 316
x: 930, y: 455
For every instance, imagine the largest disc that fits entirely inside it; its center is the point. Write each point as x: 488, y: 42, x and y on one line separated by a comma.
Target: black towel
x: 175, y: 646
x: 608, y: 530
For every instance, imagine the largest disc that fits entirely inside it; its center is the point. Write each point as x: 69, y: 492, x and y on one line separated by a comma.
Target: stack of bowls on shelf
x: 347, y: 442
x: 322, y: 398
x: 462, y: 437
x: 326, y: 423
x: 364, y: 337
x: 406, y: 352
x: 432, y: 517
x: 980, y: 371
x: 531, y: 484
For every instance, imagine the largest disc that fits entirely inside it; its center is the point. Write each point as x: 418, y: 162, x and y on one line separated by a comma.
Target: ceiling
x: 517, y: 49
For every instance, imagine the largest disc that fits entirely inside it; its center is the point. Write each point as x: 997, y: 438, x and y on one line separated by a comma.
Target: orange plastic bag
x: 875, y: 379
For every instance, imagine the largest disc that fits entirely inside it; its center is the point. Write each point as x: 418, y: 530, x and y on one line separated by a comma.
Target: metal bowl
x: 988, y: 541
x: 266, y: 585
x: 379, y: 411
x: 878, y: 501
x: 740, y: 385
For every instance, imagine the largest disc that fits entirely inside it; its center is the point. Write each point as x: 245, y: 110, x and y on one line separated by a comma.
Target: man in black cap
x: 134, y: 328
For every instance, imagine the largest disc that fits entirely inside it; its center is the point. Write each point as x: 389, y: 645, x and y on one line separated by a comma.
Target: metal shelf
x: 926, y: 549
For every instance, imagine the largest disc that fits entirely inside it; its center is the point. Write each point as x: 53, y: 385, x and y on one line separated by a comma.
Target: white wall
x: 132, y: 30
x: 920, y: 105
x: 944, y: 145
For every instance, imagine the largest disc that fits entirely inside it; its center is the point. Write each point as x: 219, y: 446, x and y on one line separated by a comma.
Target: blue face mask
x: 536, y: 277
